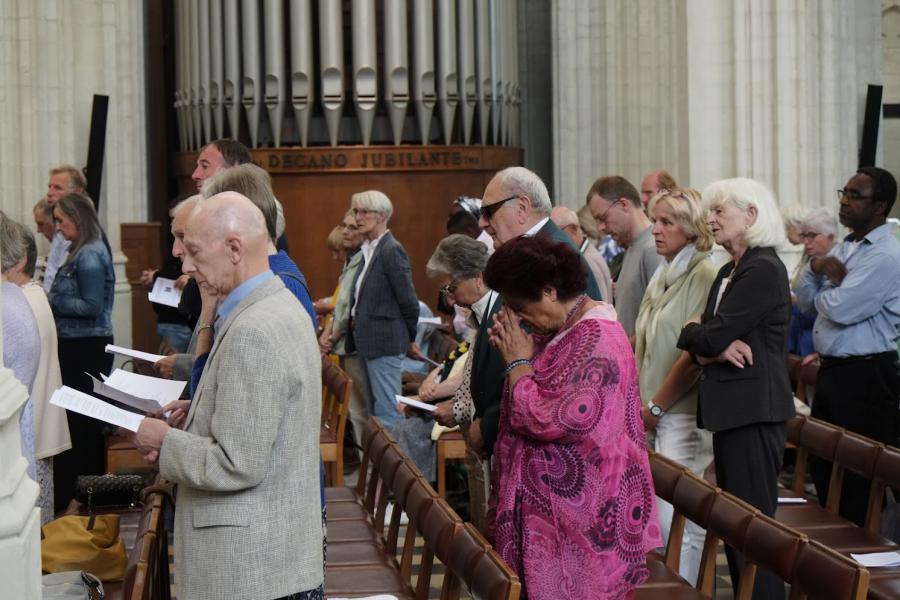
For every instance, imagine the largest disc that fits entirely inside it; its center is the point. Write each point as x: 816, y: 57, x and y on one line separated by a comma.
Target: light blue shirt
x: 861, y: 315
x: 59, y: 251
x: 239, y: 293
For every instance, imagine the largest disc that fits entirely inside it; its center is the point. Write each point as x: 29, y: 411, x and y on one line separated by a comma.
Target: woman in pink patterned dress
x: 574, y: 505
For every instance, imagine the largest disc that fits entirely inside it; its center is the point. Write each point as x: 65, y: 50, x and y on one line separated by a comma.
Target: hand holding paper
x: 415, y: 403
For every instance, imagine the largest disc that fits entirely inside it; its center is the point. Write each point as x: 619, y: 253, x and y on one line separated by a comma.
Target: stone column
x: 54, y: 56
x: 708, y: 89
x: 20, y: 519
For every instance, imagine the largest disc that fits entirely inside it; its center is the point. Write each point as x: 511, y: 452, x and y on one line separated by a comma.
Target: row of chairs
x: 147, y: 571
x: 812, y: 569
x: 336, y: 390
x: 848, y: 452
x: 366, y: 554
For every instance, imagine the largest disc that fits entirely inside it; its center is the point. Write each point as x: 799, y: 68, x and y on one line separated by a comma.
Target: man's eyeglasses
x: 851, y: 194
x: 450, y: 288
x: 487, y: 211
x: 601, y: 218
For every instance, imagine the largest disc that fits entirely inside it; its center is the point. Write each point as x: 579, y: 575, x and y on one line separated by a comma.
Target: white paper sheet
x: 165, y: 292
x: 112, y: 349
x: 436, y: 321
x: 145, y: 406
x: 877, y: 559
x: 66, y: 397
x: 415, y: 403
x: 160, y: 390
x: 788, y: 500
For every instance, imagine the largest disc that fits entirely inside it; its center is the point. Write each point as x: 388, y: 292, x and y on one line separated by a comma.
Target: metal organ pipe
x: 331, y: 63
x: 424, y: 97
x: 365, y: 66
x: 273, y: 11
x: 231, y: 90
x: 302, y: 90
x: 467, y: 67
x: 396, y: 65
x: 251, y: 89
x: 447, y: 79
x: 203, y: 88
x: 217, y: 68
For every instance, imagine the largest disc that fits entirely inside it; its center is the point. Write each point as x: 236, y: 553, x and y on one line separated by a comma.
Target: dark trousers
x: 86, y: 457
x: 748, y: 460
x: 860, y: 395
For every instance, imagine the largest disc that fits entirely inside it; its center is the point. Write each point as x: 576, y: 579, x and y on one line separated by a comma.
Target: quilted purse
x: 108, y: 490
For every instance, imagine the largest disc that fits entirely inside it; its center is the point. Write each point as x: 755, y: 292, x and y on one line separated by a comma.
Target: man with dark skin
x: 855, y: 292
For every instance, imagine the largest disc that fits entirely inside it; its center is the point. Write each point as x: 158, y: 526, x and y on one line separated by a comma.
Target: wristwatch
x: 655, y: 410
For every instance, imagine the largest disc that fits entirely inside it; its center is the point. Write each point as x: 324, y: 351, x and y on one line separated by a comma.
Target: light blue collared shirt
x: 239, y: 293
x: 862, y: 314
x: 59, y: 250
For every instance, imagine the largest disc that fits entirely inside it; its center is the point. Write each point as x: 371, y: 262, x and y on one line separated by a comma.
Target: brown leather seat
x: 884, y: 584
x: 822, y: 573
x: 492, y: 579
x: 773, y: 546
x: 337, y: 387
x: 666, y: 473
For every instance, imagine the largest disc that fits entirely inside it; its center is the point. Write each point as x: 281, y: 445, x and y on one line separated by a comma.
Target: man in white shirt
x: 566, y: 219
x: 64, y: 179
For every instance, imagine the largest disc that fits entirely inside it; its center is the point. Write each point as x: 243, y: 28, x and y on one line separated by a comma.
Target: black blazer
x: 755, y: 308
x: 488, y: 365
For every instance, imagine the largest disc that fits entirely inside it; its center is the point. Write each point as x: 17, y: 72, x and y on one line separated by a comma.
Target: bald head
x: 225, y: 242
x: 653, y: 182
x: 566, y: 219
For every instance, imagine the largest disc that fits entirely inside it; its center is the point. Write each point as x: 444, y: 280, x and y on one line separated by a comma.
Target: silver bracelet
x: 517, y: 363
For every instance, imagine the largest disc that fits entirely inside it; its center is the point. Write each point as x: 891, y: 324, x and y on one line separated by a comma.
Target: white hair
x: 768, y: 229
x: 519, y: 181
x: 821, y: 220
x: 186, y: 204
x: 375, y: 201
x: 794, y: 214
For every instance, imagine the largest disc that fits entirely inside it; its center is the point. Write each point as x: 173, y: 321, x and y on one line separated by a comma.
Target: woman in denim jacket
x: 82, y: 300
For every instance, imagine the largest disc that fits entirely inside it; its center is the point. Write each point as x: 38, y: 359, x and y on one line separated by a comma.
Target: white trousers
x: 678, y: 438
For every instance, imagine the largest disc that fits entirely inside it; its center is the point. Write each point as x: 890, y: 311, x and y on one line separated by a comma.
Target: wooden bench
x: 363, y: 545
x: 811, y: 569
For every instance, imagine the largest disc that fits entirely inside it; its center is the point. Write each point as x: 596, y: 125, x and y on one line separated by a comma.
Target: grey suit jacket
x: 387, y: 309
x: 248, y: 521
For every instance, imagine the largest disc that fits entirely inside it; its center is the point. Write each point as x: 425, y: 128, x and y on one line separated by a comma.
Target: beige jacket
x: 51, y: 429
x: 248, y: 518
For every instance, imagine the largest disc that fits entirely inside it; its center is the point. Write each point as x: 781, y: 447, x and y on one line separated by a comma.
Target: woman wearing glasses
x: 457, y: 262
x: 741, y: 340
x: 817, y: 231
x: 676, y: 293
x: 385, y: 310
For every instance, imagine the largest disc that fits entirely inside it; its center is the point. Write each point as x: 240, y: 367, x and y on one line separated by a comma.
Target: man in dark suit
x: 515, y: 203
x: 384, y: 308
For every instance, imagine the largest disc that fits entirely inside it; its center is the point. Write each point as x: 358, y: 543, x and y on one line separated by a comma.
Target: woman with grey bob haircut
x: 458, y: 256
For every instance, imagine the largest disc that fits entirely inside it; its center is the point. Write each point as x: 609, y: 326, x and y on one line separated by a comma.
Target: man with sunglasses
x: 855, y: 291
x: 616, y: 206
x: 515, y: 203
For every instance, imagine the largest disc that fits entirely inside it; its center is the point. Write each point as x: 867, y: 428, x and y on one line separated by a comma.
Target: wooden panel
x: 316, y: 198
x: 140, y: 244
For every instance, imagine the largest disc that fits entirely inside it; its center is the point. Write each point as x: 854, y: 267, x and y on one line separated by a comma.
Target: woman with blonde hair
x: 668, y: 378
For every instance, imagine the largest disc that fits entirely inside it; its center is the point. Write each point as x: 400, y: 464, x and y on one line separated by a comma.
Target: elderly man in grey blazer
x: 248, y: 517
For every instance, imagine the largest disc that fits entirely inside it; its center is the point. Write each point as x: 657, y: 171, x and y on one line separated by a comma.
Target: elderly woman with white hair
x: 384, y: 309
x: 817, y: 233
x: 741, y: 341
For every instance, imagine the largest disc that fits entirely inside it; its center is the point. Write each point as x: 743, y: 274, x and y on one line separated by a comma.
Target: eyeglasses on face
x: 851, y: 194
x: 601, y: 218
x: 809, y: 236
x: 363, y: 211
x: 450, y: 288
x: 488, y: 211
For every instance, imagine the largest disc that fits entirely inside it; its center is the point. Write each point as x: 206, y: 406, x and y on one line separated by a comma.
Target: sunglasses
x: 487, y: 211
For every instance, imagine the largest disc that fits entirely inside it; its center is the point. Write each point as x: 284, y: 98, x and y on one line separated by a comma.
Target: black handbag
x: 109, y: 490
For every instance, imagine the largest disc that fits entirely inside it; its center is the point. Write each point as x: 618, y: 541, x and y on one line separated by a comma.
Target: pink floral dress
x: 575, y: 509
